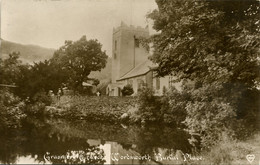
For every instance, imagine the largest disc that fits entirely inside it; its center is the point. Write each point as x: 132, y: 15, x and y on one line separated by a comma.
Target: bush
x: 230, y: 151
x: 11, y: 110
x: 248, y: 113
x: 149, y: 105
x: 207, y: 118
x: 42, y: 97
x: 173, y: 106
x: 37, y: 109
x: 169, y: 108
x: 127, y: 90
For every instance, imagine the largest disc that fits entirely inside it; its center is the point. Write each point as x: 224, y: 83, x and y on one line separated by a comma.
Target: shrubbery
x: 203, y: 111
x: 42, y: 97
x: 11, y: 110
x: 169, y: 108
x: 206, y: 121
x: 149, y: 106
x: 127, y: 90
x: 173, y: 106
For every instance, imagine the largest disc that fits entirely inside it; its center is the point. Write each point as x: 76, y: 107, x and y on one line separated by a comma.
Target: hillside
x: 28, y: 53
x: 33, y: 53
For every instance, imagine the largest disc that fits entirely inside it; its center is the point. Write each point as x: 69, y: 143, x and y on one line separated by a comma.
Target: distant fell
x: 33, y: 53
x: 28, y: 53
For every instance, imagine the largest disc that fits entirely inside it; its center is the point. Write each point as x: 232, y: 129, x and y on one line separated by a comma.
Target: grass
x: 233, y: 152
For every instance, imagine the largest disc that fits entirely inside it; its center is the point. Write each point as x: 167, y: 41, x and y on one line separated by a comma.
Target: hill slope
x: 33, y: 53
x: 28, y: 53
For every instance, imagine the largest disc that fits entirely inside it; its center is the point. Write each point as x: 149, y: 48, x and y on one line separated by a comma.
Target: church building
x: 130, y: 63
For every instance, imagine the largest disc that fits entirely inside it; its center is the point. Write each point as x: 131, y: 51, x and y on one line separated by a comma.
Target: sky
x: 48, y: 23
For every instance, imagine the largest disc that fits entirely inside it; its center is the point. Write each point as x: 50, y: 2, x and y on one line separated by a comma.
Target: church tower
x: 127, y: 52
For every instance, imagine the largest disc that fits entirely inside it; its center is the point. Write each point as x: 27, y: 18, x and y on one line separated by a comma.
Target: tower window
x: 137, y: 43
x: 114, y: 55
x: 115, y: 44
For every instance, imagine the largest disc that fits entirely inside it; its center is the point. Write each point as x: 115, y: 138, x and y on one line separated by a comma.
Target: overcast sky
x: 49, y: 23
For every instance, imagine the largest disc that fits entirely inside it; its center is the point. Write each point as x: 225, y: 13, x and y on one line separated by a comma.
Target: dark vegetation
x: 69, y: 67
x: 213, y: 47
x: 79, y: 59
x: 127, y: 90
x: 34, y: 86
x: 169, y: 108
x: 11, y: 110
x: 32, y: 54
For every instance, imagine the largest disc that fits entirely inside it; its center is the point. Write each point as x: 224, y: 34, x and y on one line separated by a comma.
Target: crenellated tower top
x: 124, y: 26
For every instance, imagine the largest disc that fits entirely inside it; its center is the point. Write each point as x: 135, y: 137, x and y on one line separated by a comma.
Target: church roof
x: 117, y: 84
x: 139, y: 70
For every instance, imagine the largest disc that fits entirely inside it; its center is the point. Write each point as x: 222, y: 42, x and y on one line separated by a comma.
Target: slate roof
x: 139, y: 70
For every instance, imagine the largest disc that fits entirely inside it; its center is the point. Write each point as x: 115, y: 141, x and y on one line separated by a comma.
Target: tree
x: 214, y: 44
x: 40, y: 77
x: 79, y: 58
x: 9, y: 69
x: 207, y: 40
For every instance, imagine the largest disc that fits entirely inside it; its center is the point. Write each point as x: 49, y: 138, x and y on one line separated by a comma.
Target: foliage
x: 149, y: 106
x: 173, y: 106
x: 71, y: 65
x: 208, y: 116
x: 167, y: 109
x: 79, y: 58
x: 127, y: 90
x: 230, y: 151
x: 215, y: 45
x: 9, y: 69
x: 199, y: 39
x: 30, y: 79
x: 42, y: 76
x: 11, y: 110
x: 37, y: 109
x: 42, y: 97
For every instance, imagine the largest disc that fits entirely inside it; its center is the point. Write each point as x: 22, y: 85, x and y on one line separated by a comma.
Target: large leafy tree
x: 40, y: 77
x: 214, y: 44
x: 30, y: 79
x: 79, y: 58
x: 207, y: 40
